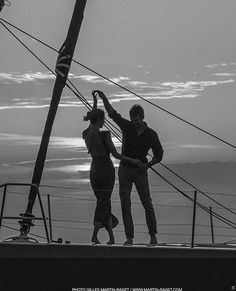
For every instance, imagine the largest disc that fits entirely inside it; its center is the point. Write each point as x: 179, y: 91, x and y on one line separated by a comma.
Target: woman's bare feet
x: 95, y: 241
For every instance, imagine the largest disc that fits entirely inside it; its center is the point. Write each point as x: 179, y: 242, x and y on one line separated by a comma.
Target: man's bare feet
x: 128, y: 242
x: 111, y: 242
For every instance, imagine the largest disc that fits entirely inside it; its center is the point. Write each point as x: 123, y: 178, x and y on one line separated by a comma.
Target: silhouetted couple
x: 138, y: 139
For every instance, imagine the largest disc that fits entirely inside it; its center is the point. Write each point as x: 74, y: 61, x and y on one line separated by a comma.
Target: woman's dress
x: 102, y: 179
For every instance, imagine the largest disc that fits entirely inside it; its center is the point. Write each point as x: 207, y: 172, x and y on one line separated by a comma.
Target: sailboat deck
x: 137, y: 251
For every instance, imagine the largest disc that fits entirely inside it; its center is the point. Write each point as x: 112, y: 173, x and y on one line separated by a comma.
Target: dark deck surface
x: 62, y: 267
x: 53, y: 250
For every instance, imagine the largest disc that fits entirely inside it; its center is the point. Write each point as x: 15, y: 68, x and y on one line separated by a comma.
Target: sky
x: 179, y: 54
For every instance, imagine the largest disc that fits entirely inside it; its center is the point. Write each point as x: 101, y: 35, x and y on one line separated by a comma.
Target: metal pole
x: 3, y: 203
x: 62, y: 69
x: 44, y: 217
x: 50, y: 218
x: 194, y: 218
x: 212, y: 226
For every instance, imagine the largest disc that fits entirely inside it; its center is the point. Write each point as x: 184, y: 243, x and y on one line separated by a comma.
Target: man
x: 138, y: 139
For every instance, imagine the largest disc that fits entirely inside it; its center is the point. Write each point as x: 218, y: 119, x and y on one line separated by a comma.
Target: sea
x: 65, y: 183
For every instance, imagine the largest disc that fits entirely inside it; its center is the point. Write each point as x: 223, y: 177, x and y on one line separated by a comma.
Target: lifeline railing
x: 49, y: 236
x: 22, y: 215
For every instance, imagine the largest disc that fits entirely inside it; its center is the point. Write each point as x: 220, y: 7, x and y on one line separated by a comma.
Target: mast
x: 64, y: 59
x: 2, y: 3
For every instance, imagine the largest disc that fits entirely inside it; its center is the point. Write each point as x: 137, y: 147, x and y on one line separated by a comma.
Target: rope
x: 78, y: 93
x: 120, y: 231
x: 80, y: 96
x: 114, y: 201
x: 124, y: 88
x: 218, y: 216
x: 194, y: 187
x: 84, y: 101
x: 89, y: 188
x: 212, y: 199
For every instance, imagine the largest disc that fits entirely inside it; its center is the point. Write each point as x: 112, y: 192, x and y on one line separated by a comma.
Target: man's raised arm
x: 116, y: 117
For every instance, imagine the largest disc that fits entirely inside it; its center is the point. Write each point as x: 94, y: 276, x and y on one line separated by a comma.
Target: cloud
x: 20, y: 78
x: 31, y: 163
x: 224, y: 74
x: 177, y: 145
x: 212, y: 66
x: 199, y: 146
x: 73, y: 169
x: 223, y: 69
x: 55, y: 142
x: 165, y: 90
x: 4, y: 107
x: 148, y: 90
x: 90, y: 78
x: 96, y: 79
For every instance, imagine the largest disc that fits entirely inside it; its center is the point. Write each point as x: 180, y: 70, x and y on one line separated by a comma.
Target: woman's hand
x: 95, y: 101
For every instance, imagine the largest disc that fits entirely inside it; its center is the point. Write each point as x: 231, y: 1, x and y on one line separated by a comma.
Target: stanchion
x: 194, y: 218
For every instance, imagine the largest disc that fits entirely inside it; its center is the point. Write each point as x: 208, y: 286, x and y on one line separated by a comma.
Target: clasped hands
x: 99, y: 93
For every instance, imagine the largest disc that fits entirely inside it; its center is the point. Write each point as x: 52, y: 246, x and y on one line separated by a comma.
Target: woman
x: 102, y: 171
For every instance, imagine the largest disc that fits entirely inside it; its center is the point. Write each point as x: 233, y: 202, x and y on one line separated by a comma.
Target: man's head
x: 136, y: 114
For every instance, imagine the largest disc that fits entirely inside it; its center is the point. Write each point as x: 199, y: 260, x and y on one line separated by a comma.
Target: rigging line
x: 121, y: 231
x: 203, y: 207
x: 143, y: 224
x: 89, y: 106
x: 121, y: 224
x: 77, y: 94
x: 43, y: 63
x: 216, y: 215
x: 114, y: 201
x: 70, y: 87
x: 158, y: 191
x: 190, y: 184
x: 124, y: 88
x: 85, y: 102
x: 159, y: 107
x: 212, y: 199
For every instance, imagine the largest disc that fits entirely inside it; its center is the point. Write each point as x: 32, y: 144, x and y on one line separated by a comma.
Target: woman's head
x: 96, y: 117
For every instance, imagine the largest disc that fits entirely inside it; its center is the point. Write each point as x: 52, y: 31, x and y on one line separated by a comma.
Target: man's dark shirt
x: 137, y: 146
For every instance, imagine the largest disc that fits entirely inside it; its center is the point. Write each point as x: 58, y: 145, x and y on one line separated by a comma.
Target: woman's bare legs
x: 110, y: 232
x: 97, y: 226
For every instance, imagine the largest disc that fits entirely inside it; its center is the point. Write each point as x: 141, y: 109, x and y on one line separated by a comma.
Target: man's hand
x: 100, y: 94
x: 105, y: 101
x: 143, y: 166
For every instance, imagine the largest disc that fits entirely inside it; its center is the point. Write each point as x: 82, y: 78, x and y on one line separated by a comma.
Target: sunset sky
x: 179, y: 54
